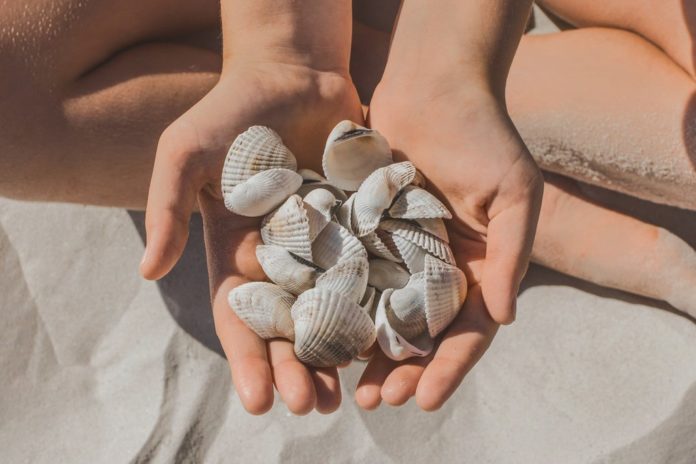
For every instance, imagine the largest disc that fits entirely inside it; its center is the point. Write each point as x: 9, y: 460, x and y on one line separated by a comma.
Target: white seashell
x: 377, y: 193
x: 285, y: 270
x: 406, y: 311
x: 323, y: 201
x: 307, y: 187
x: 381, y: 245
x: 352, y: 153
x: 434, y: 226
x: 336, y: 244
x: 288, y: 227
x: 386, y: 274
x: 445, y: 292
x: 255, y: 150
x: 417, y: 203
x: 393, y: 344
x: 348, y: 277
x: 264, y: 308
x: 412, y: 255
x: 261, y: 193
x: 344, y: 214
x: 310, y: 176
x: 330, y: 329
x: 418, y: 236
x: 369, y: 302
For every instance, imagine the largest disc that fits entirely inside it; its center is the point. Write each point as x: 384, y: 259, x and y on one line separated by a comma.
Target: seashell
x: 285, y: 270
x: 322, y: 200
x: 336, y: 244
x: 406, y: 311
x: 307, y: 187
x: 352, y: 153
x: 348, y: 277
x: 377, y: 193
x: 309, y: 176
x: 412, y: 255
x: 367, y: 303
x: 445, y: 292
x: 344, y: 214
x: 386, y: 274
x: 381, y: 245
x: 392, y: 343
x: 262, y: 192
x: 255, y: 150
x: 434, y: 226
x: 330, y: 328
x: 416, y: 203
x: 418, y: 236
x: 264, y: 308
x: 289, y: 227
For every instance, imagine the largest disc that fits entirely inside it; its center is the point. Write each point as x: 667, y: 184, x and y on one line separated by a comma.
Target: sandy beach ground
x: 98, y: 365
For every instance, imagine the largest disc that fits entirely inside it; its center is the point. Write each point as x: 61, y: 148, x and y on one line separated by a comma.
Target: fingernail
x: 144, y: 258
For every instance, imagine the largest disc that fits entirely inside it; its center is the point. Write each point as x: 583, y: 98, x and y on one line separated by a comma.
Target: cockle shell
x: 411, y: 254
x: 386, y: 274
x: 255, y: 150
x: 313, y: 180
x: 377, y: 193
x: 261, y: 193
x: 368, y: 301
x: 381, y: 245
x: 392, y: 343
x: 348, y: 277
x: 310, y: 176
x: 344, y: 214
x: 335, y: 244
x: 330, y: 328
x: 434, y: 226
x: 417, y: 203
x: 352, y: 153
x: 289, y: 227
x: 418, y: 236
x: 406, y: 311
x: 445, y: 292
x: 321, y: 200
x: 264, y: 308
x: 286, y: 270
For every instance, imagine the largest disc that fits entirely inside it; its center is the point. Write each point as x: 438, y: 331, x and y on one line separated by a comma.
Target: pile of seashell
x: 344, y: 270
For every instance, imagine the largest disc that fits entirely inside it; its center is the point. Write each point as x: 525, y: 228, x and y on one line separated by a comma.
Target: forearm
x: 310, y: 33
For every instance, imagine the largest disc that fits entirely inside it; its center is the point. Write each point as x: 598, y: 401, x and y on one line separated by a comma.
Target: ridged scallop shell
x: 344, y: 214
x: 412, y: 255
x: 368, y: 301
x: 330, y: 328
x: 406, y: 311
x: 377, y: 193
x: 262, y: 192
x: 434, y: 226
x: 288, y: 227
x: 352, y: 153
x: 255, y: 150
x: 417, y: 203
x: 336, y: 244
x: 322, y: 200
x: 347, y: 277
x: 392, y: 343
x: 418, y: 236
x: 285, y: 270
x: 386, y: 274
x: 310, y: 176
x: 445, y: 292
x: 381, y: 245
x: 264, y: 308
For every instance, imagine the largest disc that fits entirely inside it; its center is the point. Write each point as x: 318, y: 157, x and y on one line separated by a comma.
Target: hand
x: 302, y: 105
x: 474, y: 160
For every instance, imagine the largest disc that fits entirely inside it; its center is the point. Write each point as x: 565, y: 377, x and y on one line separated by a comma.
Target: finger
x: 402, y: 382
x: 292, y: 379
x: 328, y: 389
x: 368, y: 395
x: 462, y: 346
x: 173, y: 189
x: 510, y: 239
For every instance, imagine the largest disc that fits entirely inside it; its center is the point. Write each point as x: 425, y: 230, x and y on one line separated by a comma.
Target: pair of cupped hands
x: 458, y: 135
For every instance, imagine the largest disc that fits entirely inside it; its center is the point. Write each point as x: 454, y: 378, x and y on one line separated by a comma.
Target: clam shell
x: 392, y: 343
x: 445, y: 292
x: 416, y: 203
x: 386, y: 274
x: 377, y: 193
x: 411, y: 254
x: 344, y: 214
x: 309, y: 176
x: 264, y: 308
x: 322, y: 200
x: 381, y: 245
x: 352, y: 153
x: 289, y: 227
x: 406, y: 311
x: 336, y: 244
x: 255, y: 150
x: 261, y: 193
x: 348, y: 277
x: 330, y: 328
x: 434, y: 226
x: 418, y: 236
x: 285, y: 270
x: 368, y: 301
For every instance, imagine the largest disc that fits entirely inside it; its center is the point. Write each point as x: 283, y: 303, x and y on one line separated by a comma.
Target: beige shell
x: 434, y: 226
x: 393, y: 344
x: 285, y: 270
x: 418, y: 236
x: 348, y: 277
x: 445, y: 292
x: 264, y: 308
x: 323, y: 201
x: 330, y: 328
x: 377, y: 193
x: 335, y: 244
x: 261, y: 193
x: 368, y: 302
x: 344, y: 214
x: 381, y: 245
x: 289, y: 227
x: 412, y: 255
x: 310, y: 176
x: 417, y: 203
x: 386, y: 274
x: 406, y: 312
x: 255, y: 150
x: 352, y: 153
